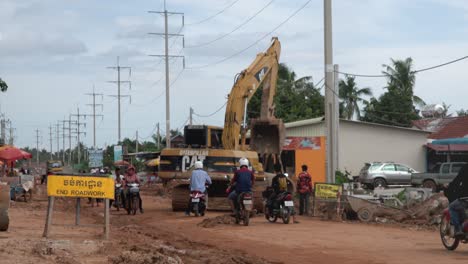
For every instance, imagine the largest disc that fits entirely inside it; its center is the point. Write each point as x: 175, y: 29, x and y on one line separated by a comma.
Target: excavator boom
x: 267, y: 132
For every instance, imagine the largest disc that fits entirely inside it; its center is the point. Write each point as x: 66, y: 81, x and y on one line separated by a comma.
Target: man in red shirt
x: 304, y: 187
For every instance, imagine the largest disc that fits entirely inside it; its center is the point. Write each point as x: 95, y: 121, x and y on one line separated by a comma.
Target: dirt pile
x: 142, y: 257
x: 218, y: 220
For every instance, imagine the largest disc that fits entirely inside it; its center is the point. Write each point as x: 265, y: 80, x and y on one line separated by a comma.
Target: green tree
x: 351, y: 96
x: 400, y: 76
x: 295, y: 99
x: 397, y: 106
x: 462, y: 112
x: 3, y: 86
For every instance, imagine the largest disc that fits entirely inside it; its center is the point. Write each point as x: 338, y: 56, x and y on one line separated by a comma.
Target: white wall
x: 362, y: 142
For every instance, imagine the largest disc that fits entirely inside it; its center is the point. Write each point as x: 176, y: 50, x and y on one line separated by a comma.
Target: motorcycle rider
x: 242, y: 181
x: 131, y: 177
x: 119, y: 179
x: 198, y: 180
x: 280, y: 184
x: 455, y: 192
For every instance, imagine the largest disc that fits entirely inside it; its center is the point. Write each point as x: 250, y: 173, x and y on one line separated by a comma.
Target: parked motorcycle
x: 198, y: 203
x: 133, y: 199
x: 244, y: 206
x: 282, y: 206
x: 117, y: 202
x: 447, y: 232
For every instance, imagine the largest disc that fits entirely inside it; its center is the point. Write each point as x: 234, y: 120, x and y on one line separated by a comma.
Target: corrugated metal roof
x: 316, y: 127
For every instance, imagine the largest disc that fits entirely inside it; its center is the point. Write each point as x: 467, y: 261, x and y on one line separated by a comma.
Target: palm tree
x: 3, y: 86
x: 401, y: 77
x: 351, y: 96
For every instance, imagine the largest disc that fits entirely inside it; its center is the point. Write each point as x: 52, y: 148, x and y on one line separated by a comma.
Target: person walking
x: 304, y: 187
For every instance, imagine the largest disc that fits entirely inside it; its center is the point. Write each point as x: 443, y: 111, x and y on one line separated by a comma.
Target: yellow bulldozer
x: 221, y: 148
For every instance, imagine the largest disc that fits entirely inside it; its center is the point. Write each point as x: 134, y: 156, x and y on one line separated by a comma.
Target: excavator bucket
x: 267, y: 135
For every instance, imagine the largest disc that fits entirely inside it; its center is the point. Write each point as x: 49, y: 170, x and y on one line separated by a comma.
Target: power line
x: 255, y: 43
x: 232, y: 31
x: 213, y: 16
x: 212, y: 114
x: 415, y: 71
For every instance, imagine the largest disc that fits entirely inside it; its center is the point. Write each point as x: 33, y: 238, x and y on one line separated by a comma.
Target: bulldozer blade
x: 267, y: 136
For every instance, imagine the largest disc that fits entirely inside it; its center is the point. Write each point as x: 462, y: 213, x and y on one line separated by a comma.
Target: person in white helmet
x: 242, y: 181
x: 198, y: 181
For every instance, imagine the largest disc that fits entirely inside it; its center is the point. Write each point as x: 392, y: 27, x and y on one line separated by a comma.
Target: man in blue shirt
x: 243, y: 181
x: 198, y: 181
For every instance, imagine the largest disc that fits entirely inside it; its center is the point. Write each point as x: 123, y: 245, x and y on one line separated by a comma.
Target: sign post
x: 79, y: 186
x: 326, y: 192
x: 95, y: 157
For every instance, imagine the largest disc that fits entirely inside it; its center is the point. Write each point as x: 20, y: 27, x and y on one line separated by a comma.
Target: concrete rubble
x: 403, y: 205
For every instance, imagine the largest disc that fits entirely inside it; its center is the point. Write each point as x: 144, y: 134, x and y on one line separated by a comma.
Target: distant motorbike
x: 244, y: 206
x: 281, y: 206
x: 447, y: 232
x: 198, y: 203
x: 117, y: 202
x: 133, y: 199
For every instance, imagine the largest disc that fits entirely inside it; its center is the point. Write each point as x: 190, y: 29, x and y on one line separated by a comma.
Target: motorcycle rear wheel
x: 270, y: 218
x: 134, y: 205
x: 286, y: 216
x: 449, y: 242
x: 196, y: 210
x: 246, y: 217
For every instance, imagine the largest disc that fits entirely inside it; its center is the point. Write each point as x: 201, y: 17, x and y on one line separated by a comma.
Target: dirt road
x: 162, y: 236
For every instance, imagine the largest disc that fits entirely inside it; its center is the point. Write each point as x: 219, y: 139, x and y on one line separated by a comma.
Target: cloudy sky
x: 52, y: 52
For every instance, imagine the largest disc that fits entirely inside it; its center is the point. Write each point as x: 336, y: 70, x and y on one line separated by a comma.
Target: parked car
x: 442, y: 174
x: 385, y: 173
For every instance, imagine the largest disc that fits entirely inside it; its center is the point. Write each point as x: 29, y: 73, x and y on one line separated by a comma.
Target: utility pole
x: 191, y: 116
x: 136, y: 147
x: 159, y: 139
x: 51, y: 141
x: 166, y: 56
x: 70, y: 123
x: 11, y: 138
x: 119, y: 95
x: 94, y: 113
x: 37, y: 146
x: 57, y: 130
x: 78, y: 125
x: 3, y: 130
x: 331, y: 111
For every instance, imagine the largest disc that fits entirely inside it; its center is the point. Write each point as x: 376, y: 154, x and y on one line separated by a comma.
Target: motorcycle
x: 282, y: 206
x: 133, y: 199
x: 447, y: 232
x: 117, y: 202
x: 198, y: 203
x: 244, y: 206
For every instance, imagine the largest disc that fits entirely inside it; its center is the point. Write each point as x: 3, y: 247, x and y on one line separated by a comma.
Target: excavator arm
x: 267, y: 132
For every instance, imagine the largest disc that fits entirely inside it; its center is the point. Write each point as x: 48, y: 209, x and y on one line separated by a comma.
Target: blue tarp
x: 451, y: 141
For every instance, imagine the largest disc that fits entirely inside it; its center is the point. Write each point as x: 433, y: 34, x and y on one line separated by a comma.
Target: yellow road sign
x: 80, y: 186
x: 327, y: 190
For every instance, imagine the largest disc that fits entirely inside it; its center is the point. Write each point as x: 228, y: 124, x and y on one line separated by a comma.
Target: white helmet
x: 243, y: 162
x: 198, y: 164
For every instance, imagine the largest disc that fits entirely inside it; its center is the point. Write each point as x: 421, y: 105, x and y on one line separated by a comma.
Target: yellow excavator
x: 221, y: 148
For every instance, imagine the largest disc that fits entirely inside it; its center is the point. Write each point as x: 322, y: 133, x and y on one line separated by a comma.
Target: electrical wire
x: 253, y: 44
x: 415, y: 71
x: 162, y: 93
x: 212, y: 114
x: 213, y: 16
x: 232, y: 31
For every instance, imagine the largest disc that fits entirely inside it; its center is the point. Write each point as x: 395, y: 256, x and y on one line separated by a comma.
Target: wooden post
x: 106, y: 221
x: 78, y: 211
x: 50, y: 209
